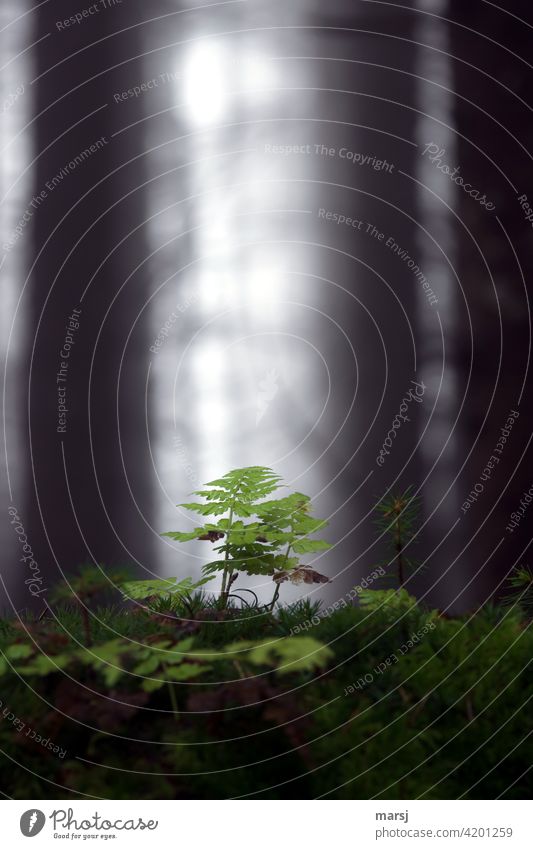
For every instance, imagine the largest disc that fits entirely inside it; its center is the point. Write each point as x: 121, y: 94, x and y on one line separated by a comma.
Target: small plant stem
x: 276, y: 592
x: 187, y: 603
x: 227, y: 570
x: 239, y: 669
x: 230, y: 580
x: 399, y: 552
x: 275, y: 598
x: 172, y: 694
x: 86, y: 624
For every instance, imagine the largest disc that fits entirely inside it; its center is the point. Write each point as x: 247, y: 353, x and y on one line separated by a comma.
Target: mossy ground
x: 378, y: 714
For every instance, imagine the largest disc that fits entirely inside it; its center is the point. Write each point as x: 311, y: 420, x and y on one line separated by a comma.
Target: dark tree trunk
x: 89, y: 247
x: 495, y: 139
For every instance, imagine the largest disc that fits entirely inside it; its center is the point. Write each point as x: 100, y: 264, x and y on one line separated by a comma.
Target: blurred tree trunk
x: 494, y: 80
x: 79, y: 506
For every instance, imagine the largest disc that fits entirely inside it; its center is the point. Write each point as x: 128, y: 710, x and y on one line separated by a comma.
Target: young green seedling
x: 277, y: 529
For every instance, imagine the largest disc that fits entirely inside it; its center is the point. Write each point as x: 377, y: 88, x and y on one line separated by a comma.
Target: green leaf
x: 211, y: 494
x: 43, y: 665
x: 112, y: 674
x: 250, y: 483
x: 106, y: 652
x: 214, y: 508
x: 243, y: 508
x: 254, y: 547
x: 147, y: 666
x: 289, y: 654
x: 18, y: 651
x: 285, y: 564
x: 278, y: 537
x: 394, y: 601
x: 140, y: 590
x: 151, y: 685
x: 308, y: 546
x: 308, y: 525
x: 182, y: 536
x: 186, y: 671
x: 144, y: 589
x: 178, y: 652
x: 90, y: 581
x: 213, y: 566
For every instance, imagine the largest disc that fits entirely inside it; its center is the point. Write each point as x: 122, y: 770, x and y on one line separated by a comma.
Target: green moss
x: 383, y: 699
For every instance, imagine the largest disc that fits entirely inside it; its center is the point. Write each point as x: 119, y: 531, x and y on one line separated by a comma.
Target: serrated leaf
x: 105, y: 653
x: 140, y: 590
x: 278, y: 537
x: 147, y: 666
x: 18, y: 651
x: 393, y: 600
x: 244, y: 509
x: 253, y: 547
x: 307, y: 525
x: 211, y: 494
x: 181, y: 536
x: 308, y: 546
x: 289, y: 654
x: 112, y: 674
x: 150, y: 685
x: 213, y: 566
x: 186, y: 671
x: 43, y: 665
x: 213, y: 508
x: 246, y: 535
x: 178, y: 652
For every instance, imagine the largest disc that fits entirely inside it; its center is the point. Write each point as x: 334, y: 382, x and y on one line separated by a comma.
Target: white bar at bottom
x: 269, y: 824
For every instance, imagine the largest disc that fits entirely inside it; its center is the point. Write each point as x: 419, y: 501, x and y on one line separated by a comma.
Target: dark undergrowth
x: 382, y: 699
